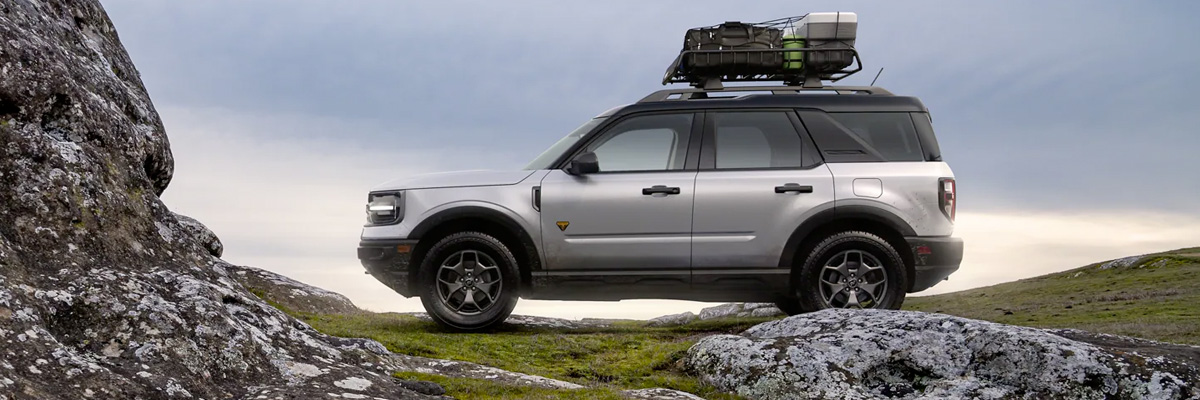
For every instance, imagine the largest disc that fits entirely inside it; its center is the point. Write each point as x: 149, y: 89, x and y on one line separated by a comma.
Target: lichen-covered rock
x: 463, y: 369
x: 422, y: 387
x: 660, y: 394
x: 201, y: 234
x: 673, y: 319
x: 857, y: 354
x: 290, y: 294
x: 103, y: 292
x: 740, y: 310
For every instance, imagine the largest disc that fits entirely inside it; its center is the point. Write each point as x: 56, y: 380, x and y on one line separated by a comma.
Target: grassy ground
x: 625, y: 356
x: 1156, y: 298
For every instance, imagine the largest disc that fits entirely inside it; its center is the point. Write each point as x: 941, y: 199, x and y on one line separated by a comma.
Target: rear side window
x: 891, y: 134
x: 764, y: 139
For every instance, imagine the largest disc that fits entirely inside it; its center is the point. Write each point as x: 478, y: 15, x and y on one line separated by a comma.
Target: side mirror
x: 586, y: 163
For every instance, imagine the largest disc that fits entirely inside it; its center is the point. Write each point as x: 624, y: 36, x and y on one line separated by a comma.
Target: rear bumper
x: 389, y: 262
x: 935, y: 258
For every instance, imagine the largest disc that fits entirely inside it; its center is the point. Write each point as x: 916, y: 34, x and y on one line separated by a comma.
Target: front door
x: 635, y: 215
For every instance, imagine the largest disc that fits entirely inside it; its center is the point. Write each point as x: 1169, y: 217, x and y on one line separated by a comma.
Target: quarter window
x: 755, y: 140
x: 891, y: 134
x: 644, y: 143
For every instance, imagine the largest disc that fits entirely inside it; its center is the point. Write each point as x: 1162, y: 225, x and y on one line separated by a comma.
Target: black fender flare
x: 491, y: 215
x: 822, y: 218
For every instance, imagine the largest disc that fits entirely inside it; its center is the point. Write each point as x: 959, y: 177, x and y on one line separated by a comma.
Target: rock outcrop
x: 103, y: 291
x: 290, y: 294
x: 673, y: 319
x: 201, y: 234
x: 660, y: 394
x: 856, y: 354
x: 740, y: 310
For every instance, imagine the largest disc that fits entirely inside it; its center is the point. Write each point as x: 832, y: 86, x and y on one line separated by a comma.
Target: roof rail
x: 701, y: 93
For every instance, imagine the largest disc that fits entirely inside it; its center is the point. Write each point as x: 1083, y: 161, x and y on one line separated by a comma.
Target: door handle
x: 792, y: 187
x: 660, y: 189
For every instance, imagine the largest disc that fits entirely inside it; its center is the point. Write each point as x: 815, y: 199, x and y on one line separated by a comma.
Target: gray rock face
x: 462, y: 369
x: 201, y: 234
x: 673, y: 319
x: 856, y: 354
x: 740, y: 310
x: 1121, y: 262
x: 291, y: 294
x: 660, y: 394
x: 104, y: 293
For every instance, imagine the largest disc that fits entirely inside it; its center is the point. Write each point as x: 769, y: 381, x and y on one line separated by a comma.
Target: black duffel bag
x: 730, y: 37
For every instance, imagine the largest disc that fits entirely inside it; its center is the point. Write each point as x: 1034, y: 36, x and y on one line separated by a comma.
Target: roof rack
x: 804, y: 78
x: 702, y: 93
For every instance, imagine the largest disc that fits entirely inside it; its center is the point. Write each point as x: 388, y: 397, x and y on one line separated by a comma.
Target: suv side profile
x: 768, y: 194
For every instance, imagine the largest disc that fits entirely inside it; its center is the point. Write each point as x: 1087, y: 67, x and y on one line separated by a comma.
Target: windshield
x: 546, y: 160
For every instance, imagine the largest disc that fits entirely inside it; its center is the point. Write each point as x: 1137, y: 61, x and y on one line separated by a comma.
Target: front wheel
x: 469, y: 281
x: 851, y: 269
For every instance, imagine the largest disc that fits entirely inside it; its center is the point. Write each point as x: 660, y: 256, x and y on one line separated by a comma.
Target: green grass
x: 1157, y: 298
x: 624, y: 356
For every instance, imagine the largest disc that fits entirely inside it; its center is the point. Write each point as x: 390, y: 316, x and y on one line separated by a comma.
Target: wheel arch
x: 481, y: 219
x: 873, y: 220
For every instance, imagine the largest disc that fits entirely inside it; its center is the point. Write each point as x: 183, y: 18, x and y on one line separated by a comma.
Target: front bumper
x: 389, y: 262
x: 935, y: 258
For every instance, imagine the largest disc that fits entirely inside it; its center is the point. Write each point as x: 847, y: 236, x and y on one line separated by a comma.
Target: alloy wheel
x: 469, y: 282
x: 853, y: 279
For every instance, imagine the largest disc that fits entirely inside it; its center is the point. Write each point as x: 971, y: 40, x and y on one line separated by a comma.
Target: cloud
x: 1036, y: 105
x: 1006, y: 245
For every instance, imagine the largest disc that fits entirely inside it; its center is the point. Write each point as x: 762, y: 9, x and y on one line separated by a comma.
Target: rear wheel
x: 851, y: 269
x: 469, y: 281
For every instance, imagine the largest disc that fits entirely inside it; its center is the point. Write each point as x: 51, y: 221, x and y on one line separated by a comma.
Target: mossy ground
x: 1156, y: 298
x: 608, y: 359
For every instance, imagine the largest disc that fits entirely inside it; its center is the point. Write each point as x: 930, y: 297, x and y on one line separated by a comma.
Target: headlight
x: 385, y: 208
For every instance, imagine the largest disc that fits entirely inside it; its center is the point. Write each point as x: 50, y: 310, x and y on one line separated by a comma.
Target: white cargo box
x: 828, y: 26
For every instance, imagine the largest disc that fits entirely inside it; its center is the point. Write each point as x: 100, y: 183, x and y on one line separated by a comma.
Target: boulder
x: 660, y: 394
x: 201, y: 234
x: 673, y: 319
x: 740, y: 310
x: 289, y: 294
x: 104, y: 293
x: 854, y: 354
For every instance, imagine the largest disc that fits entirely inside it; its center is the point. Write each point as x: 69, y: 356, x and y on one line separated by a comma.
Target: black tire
x: 870, y: 250
x: 486, y: 250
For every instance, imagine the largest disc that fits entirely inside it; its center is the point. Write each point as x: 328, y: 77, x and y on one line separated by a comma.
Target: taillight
x: 947, y: 198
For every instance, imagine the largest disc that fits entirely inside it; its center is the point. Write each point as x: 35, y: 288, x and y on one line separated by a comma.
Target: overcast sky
x: 1072, y: 127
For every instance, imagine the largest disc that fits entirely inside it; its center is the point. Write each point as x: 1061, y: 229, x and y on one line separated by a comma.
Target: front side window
x: 644, y: 143
x: 891, y: 134
x: 755, y: 140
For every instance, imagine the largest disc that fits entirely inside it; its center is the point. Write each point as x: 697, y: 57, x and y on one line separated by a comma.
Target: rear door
x: 635, y: 215
x: 758, y: 179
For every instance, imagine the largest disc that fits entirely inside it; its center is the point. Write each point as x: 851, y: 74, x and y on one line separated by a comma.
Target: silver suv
x: 809, y: 200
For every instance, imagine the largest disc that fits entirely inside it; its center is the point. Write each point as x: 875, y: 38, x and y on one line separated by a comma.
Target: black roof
x: 835, y: 99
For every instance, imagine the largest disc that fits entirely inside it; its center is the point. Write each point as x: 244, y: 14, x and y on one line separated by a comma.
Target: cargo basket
x: 764, y: 52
